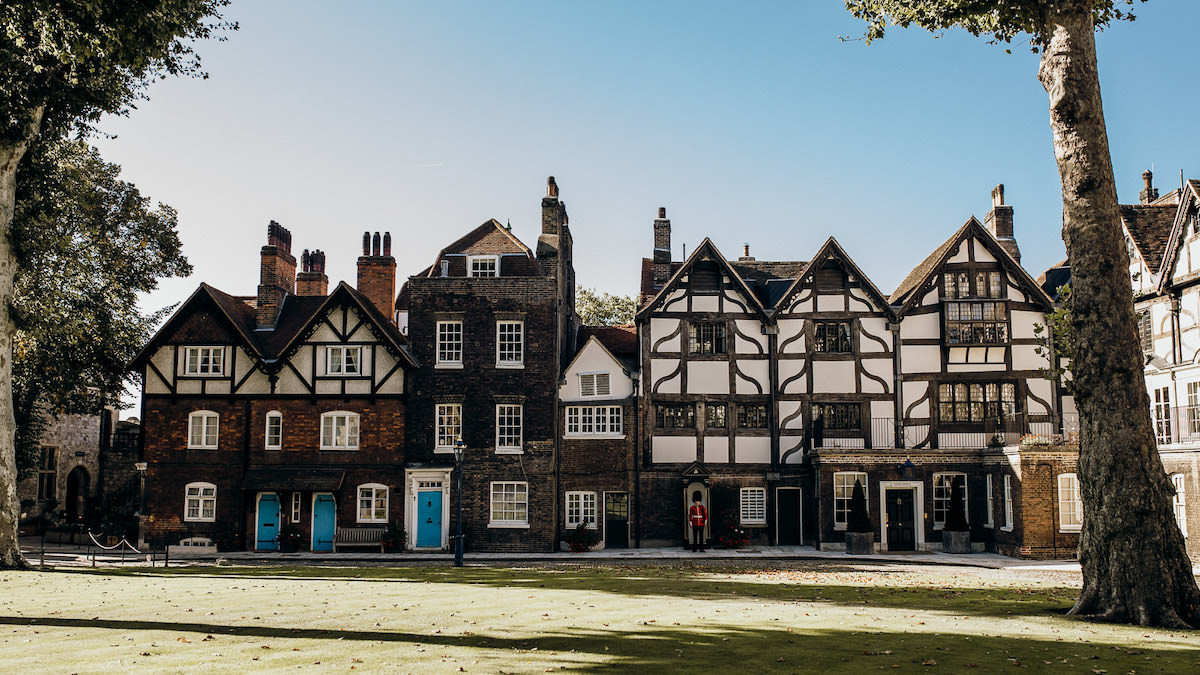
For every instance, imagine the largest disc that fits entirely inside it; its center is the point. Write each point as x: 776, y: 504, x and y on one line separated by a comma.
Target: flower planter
x: 860, y: 543
x: 956, y: 542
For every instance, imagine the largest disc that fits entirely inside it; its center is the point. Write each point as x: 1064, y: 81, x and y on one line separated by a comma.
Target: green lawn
x: 815, y: 616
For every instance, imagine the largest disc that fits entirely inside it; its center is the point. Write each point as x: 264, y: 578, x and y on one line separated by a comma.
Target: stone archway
x: 75, y: 504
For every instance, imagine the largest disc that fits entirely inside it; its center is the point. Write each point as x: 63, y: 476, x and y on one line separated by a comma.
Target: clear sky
x: 750, y: 122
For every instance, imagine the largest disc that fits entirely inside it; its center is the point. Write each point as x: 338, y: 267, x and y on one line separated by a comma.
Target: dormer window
x: 341, y: 360
x: 203, y: 360
x: 483, y: 266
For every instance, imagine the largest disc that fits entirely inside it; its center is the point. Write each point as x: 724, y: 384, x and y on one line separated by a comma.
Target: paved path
x: 68, y: 555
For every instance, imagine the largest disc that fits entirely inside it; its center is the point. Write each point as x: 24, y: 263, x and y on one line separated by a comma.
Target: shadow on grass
x: 716, y: 647
x: 878, y: 589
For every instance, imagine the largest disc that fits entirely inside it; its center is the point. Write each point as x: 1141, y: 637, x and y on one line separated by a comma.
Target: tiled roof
x: 1056, y: 276
x: 620, y: 340
x: 490, y: 238
x: 1150, y: 228
x: 769, y: 280
x: 648, y: 289
x: 925, y: 268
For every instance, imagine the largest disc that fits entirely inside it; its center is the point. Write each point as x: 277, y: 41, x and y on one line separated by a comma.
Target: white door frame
x: 800, y: 516
x: 918, y: 487
x: 412, y: 477
x: 257, y: 515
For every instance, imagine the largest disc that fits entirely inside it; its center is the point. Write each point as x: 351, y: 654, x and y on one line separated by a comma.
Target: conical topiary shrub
x: 956, y: 532
x: 860, y: 540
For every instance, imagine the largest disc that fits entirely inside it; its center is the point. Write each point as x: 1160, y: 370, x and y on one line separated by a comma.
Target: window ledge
x: 448, y: 365
x: 756, y: 524
x: 595, y: 436
x: 510, y: 451
x: 840, y: 527
x: 443, y: 450
x: 507, y: 525
x: 199, y: 520
x: 506, y: 365
x: 371, y: 522
x: 572, y: 526
x: 324, y: 449
x: 1006, y: 528
x: 989, y: 526
x: 1070, y: 529
x: 203, y: 447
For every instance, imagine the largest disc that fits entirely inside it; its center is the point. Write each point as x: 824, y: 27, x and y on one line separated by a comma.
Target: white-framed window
x: 594, y: 420
x: 510, y: 504
x: 372, y: 503
x: 200, y: 502
x: 448, y: 420
x: 483, y: 265
x: 203, y: 360
x: 581, y: 508
x: 449, y: 343
x: 843, y: 490
x: 943, y: 486
x: 273, y: 436
x: 510, y: 344
x: 295, y: 507
x: 508, y: 427
x: 339, y: 430
x: 343, y: 360
x: 594, y: 384
x: 1008, y: 504
x: 753, y: 506
x: 202, y: 429
x: 1070, y: 503
x: 1179, y: 502
x: 991, y: 504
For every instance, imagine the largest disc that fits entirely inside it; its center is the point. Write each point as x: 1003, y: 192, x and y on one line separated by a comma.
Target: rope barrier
x: 123, y: 542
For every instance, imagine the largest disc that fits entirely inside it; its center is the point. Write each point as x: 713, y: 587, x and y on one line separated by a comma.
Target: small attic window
x: 830, y: 278
x: 483, y: 266
x: 705, y: 276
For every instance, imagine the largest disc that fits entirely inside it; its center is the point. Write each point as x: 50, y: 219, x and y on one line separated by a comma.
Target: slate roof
x: 1150, y: 229
x: 769, y: 280
x: 620, y: 341
x: 1058, y: 275
x: 648, y: 289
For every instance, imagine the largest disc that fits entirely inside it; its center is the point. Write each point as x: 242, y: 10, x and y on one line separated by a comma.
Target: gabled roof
x: 706, y: 250
x: 1188, y: 199
x: 832, y: 250
x: 619, y: 342
x: 904, y: 295
x: 299, y: 328
x: 238, y: 316
x: 489, y: 238
x: 768, y: 279
x: 1150, y: 229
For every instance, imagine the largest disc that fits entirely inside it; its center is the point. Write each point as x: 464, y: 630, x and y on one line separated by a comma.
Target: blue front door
x: 324, y: 523
x: 267, y: 536
x: 429, y: 519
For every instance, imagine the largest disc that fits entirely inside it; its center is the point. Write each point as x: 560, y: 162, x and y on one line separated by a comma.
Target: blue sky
x: 749, y: 122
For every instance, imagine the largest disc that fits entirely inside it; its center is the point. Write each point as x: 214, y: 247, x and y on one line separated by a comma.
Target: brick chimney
x: 312, y: 280
x: 377, y: 273
x: 999, y: 221
x: 746, y: 257
x: 277, y: 274
x: 662, y: 248
x: 1149, y: 193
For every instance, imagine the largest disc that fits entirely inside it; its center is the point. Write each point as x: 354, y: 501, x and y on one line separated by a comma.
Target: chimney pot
x: 551, y: 188
x: 387, y: 243
x: 366, y: 243
x: 375, y: 244
x: 305, y: 265
x: 998, y: 195
x: 662, y: 212
x: 1149, y: 193
x: 746, y: 249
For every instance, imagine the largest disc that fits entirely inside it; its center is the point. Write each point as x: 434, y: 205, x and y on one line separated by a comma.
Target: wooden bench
x: 359, y: 536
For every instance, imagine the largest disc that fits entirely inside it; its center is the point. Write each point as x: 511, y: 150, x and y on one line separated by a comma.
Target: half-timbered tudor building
x: 491, y: 323
x: 280, y: 411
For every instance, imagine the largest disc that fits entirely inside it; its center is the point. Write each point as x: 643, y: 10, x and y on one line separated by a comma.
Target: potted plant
x: 582, y: 538
x: 733, y: 537
x: 393, y: 538
x: 290, y: 539
x: 860, y: 539
x: 956, y: 533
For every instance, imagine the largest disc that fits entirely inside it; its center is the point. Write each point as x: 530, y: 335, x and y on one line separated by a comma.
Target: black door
x: 616, y: 520
x: 901, y: 524
x: 788, y: 510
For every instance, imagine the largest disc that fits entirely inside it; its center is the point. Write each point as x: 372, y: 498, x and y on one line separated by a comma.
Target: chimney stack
x: 999, y: 221
x: 377, y: 273
x: 746, y: 257
x: 277, y: 274
x: 553, y: 251
x: 662, y: 248
x: 312, y: 280
x: 1149, y: 193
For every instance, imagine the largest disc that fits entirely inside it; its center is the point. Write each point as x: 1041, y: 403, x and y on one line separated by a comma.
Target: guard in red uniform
x: 698, y: 519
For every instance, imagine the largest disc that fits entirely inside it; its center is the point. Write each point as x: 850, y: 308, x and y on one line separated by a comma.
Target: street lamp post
x: 458, y: 538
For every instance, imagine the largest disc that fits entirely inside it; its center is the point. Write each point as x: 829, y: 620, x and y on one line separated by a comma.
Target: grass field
x: 806, y: 617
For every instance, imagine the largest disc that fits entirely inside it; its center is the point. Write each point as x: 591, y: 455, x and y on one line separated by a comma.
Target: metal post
x: 458, y: 538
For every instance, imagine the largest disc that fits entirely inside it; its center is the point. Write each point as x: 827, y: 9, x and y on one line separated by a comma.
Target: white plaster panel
x: 218, y: 387
x: 752, y: 449
x: 881, y: 368
x: 594, y: 358
x: 288, y: 383
x: 882, y: 410
x: 975, y: 367
x: 960, y: 255
x: 716, y: 450
x: 731, y: 298
x: 931, y: 298
x: 787, y: 370
x: 324, y: 333
x: 788, y: 408
x: 329, y: 386
x: 673, y: 449
x: 1023, y: 323
x: 394, y: 385
x: 154, y: 385
x: 1041, y: 389
x: 188, y: 386
x: 164, y: 360
x: 753, y: 332
x: 675, y: 301
x: 705, y: 303
x: 757, y: 370
x: 831, y: 303
x: 258, y: 383
x: 243, y: 363
x: 914, y: 391
x: 302, y: 360
x: 979, y: 355
x: 787, y: 330
x: 1016, y: 294
x: 1068, y: 406
x: 786, y: 443
x: 659, y: 329
x: 1025, y: 357
x: 860, y: 294
x: 833, y: 377
x: 358, y: 387
x: 921, y: 359
x: 921, y: 327
x: 708, y: 377
x: 876, y: 326
x: 981, y: 252
x: 660, y: 368
x: 803, y: 306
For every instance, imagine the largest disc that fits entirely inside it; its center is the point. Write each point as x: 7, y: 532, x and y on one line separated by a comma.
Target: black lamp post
x: 458, y: 538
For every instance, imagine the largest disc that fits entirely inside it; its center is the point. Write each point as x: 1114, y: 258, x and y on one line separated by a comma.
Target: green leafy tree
x: 62, y: 66
x: 87, y: 244
x: 1135, y: 566
x: 603, y: 309
x: 1056, y: 340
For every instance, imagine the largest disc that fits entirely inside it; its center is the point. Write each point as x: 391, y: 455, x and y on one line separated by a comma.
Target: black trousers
x: 697, y: 538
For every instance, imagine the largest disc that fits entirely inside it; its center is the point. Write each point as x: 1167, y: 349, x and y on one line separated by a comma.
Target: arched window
x: 200, y: 502
x: 372, y: 503
x: 274, y: 432
x: 202, y: 429
x: 339, y: 430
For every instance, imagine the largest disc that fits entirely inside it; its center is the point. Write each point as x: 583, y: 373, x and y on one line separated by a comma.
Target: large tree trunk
x: 1135, y: 566
x: 10, y: 507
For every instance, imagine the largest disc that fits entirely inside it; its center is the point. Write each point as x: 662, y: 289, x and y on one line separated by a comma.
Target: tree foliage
x: 1056, y: 340
x: 87, y: 244
x: 603, y: 309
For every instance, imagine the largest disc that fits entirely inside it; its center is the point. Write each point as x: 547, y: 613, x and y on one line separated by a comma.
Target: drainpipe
x: 636, y: 506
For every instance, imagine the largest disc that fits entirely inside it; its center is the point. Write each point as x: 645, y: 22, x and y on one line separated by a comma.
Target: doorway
x: 266, y: 534
x: 901, y: 520
x: 324, y: 522
x: 616, y: 520
x: 429, y: 516
x: 789, y: 528
x: 77, y: 490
